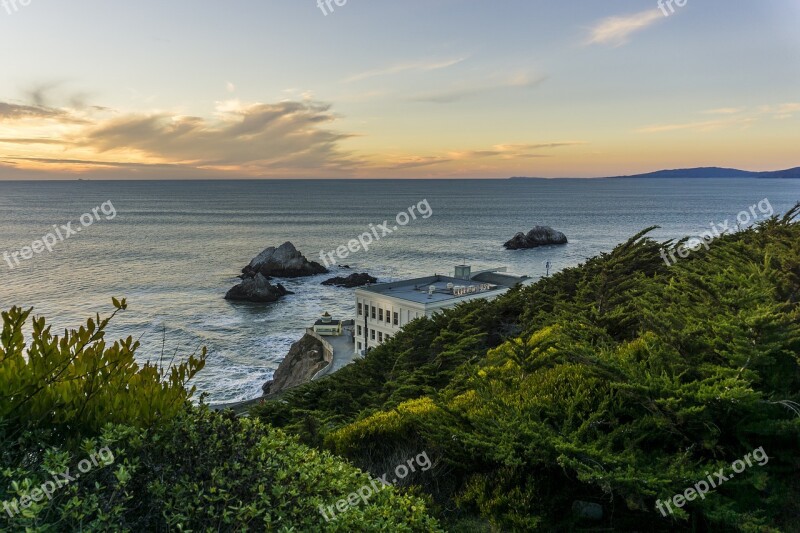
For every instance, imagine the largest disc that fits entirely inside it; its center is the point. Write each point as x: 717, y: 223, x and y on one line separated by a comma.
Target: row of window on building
x: 372, y: 334
x: 380, y: 336
x: 378, y: 314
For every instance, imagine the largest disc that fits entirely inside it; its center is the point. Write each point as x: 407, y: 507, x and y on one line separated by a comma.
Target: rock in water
x: 538, y: 236
x: 257, y: 289
x: 282, y: 262
x: 351, y: 281
x: 305, y: 358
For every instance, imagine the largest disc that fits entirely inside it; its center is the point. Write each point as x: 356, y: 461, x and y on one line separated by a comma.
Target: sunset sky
x: 395, y: 89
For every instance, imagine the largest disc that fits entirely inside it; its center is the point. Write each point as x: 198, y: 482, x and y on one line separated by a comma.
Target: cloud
x: 522, y: 81
x: 230, y: 87
x: 254, y: 138
x: 708, y: 125
x: 243, y: 134
x: 105, y: 164
x: 423, y: 66
x: 734, y: 117
x: 31, y: 141
x: 781, y: 111
x: 10, y: 111
x: 291, y: 138
x: 616, y: 31
x: 407, y: 162
x: 724, y: 111
x: 514, y: 151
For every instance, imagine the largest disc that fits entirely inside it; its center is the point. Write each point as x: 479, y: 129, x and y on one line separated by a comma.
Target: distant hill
x: 709, y: 172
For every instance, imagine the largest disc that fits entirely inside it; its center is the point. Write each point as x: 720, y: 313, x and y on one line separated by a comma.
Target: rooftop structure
x: 382, y: 309
x: 327, y: 326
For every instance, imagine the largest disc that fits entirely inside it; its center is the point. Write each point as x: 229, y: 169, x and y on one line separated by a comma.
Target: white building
x: 328, y: 326
x: 382, y: 309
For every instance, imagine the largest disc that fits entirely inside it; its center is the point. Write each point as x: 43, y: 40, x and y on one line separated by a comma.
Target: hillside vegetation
x: 621, y: 382
x: 93, y: 441
x: 583, y: 402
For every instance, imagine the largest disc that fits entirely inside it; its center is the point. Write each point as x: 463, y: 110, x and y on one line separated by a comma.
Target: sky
x: 106, y: 89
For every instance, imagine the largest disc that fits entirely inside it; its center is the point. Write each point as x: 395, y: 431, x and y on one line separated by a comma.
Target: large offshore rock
x: 282, y: 262
x: 538, y: 236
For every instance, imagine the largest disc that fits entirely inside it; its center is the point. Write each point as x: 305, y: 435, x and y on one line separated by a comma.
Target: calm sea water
x: 175, y: 248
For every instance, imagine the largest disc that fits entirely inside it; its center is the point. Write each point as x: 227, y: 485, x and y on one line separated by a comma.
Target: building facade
x: 383, y: 309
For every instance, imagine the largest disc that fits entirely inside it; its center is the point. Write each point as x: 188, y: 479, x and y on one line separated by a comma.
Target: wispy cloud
x: 514, y: 151
x: 781, y: 111
x: 616, y: 31
x: 447, y: 96
x: 407, y: 162
x: 9, y: 111
x: 420, y: 66
x: 724, y: 111
x: 31, y: 141
x: 707, y: 125
x: 736, y: 117
x: 498, y: 152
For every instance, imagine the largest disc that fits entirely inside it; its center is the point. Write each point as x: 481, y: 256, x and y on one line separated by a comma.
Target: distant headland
x: 704, y: 172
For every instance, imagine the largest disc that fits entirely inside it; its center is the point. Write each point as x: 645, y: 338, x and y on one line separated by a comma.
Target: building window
x: 380, y: 336
x: 360, y: 309
x: 397, y: 319
x: 373, y: 312
x: 359, y: 330
x: 372, y: 334
x: 380, y: 315
x: 359, y: 346
x: 388, y: 317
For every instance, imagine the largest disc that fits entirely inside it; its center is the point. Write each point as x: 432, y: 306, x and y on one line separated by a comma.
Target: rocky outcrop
x: 257, y: 289
x: 538, y: 236
x: 282, y: 262
x: 306, y: 357
x: 351, y: 281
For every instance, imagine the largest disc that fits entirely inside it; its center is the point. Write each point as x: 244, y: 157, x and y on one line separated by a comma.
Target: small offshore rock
x: 351, y: 281
x: 257, y: 289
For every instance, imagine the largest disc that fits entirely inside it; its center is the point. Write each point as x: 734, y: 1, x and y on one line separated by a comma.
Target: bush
x: 94, y: 442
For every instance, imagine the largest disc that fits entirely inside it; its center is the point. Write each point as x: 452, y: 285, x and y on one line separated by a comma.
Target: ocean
x: 174, y: 248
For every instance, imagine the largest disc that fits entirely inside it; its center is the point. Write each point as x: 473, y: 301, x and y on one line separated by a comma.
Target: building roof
x: 321, y: 322
x: 499, y: 278
x: 416, y: 290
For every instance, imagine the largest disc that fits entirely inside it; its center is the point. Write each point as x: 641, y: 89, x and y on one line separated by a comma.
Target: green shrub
x: 75, y: 384
x: 166, y: 465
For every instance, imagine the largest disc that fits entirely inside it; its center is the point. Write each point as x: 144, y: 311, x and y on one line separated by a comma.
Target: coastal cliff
x: 306, y: 357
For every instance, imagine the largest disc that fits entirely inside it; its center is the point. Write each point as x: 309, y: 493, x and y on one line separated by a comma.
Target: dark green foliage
x: 618, y: 382
x: 171, y: 466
